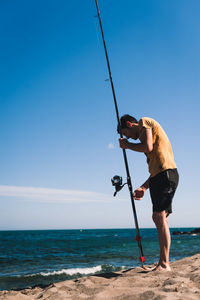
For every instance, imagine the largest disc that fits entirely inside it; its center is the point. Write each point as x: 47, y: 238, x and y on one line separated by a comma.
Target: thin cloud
x: 53, y: 195
x: 111, y: 146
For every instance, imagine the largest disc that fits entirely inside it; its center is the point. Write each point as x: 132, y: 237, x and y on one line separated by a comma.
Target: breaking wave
x: 18, y: 282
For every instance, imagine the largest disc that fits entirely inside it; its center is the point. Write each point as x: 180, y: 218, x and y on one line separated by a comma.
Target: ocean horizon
x: 95, y: 228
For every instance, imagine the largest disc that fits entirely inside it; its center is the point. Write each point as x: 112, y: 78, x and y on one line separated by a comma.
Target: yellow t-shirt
x: 161, y: 157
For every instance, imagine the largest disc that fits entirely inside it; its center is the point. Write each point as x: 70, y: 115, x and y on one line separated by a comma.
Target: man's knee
x: 159, y: 218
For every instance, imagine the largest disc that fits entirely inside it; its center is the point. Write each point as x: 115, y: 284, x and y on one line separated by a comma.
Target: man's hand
x: 139, y: 193
x: 124, y: 143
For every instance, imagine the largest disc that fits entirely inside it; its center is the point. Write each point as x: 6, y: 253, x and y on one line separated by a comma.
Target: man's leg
x: 161, y: 221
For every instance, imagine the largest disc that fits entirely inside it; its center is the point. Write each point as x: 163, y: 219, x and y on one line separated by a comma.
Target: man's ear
x: 128, y: 124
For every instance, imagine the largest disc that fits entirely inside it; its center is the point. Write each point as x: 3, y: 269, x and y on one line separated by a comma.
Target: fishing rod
x: 117, y: 180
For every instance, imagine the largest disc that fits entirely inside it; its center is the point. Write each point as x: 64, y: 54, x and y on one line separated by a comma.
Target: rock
x: 195, y: 231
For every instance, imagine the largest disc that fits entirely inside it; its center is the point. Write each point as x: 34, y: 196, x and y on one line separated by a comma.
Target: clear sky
x: 59, y: 147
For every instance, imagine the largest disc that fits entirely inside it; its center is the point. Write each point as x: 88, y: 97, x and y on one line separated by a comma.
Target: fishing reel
x: 117, y: 183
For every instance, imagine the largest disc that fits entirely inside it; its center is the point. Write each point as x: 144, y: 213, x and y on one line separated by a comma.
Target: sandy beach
x: 183, y: 282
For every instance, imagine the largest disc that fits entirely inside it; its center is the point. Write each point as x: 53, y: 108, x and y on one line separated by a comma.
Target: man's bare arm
x: 146, y: 144
x: 145, y: 185
x: 139, y: 193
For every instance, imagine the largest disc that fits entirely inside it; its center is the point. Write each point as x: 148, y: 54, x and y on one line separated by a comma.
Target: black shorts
x: 162, y: 189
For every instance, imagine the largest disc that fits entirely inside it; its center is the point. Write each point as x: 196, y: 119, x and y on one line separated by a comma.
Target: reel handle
x: 118, y: 188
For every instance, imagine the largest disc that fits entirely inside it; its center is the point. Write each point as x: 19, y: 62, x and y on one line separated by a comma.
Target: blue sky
x: 59, y: 146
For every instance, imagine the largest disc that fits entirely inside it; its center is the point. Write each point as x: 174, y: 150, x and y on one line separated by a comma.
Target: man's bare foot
x: 162, y: 268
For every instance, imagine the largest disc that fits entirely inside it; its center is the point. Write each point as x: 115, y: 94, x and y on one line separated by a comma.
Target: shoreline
x: 183, y: 282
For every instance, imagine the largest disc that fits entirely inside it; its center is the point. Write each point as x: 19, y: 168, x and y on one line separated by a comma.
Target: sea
x: 41, y: 257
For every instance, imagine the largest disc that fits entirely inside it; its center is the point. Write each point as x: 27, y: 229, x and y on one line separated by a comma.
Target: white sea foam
x: 71, y: 272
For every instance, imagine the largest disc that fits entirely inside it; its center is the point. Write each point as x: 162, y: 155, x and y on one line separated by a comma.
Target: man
x: 163, y: 178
